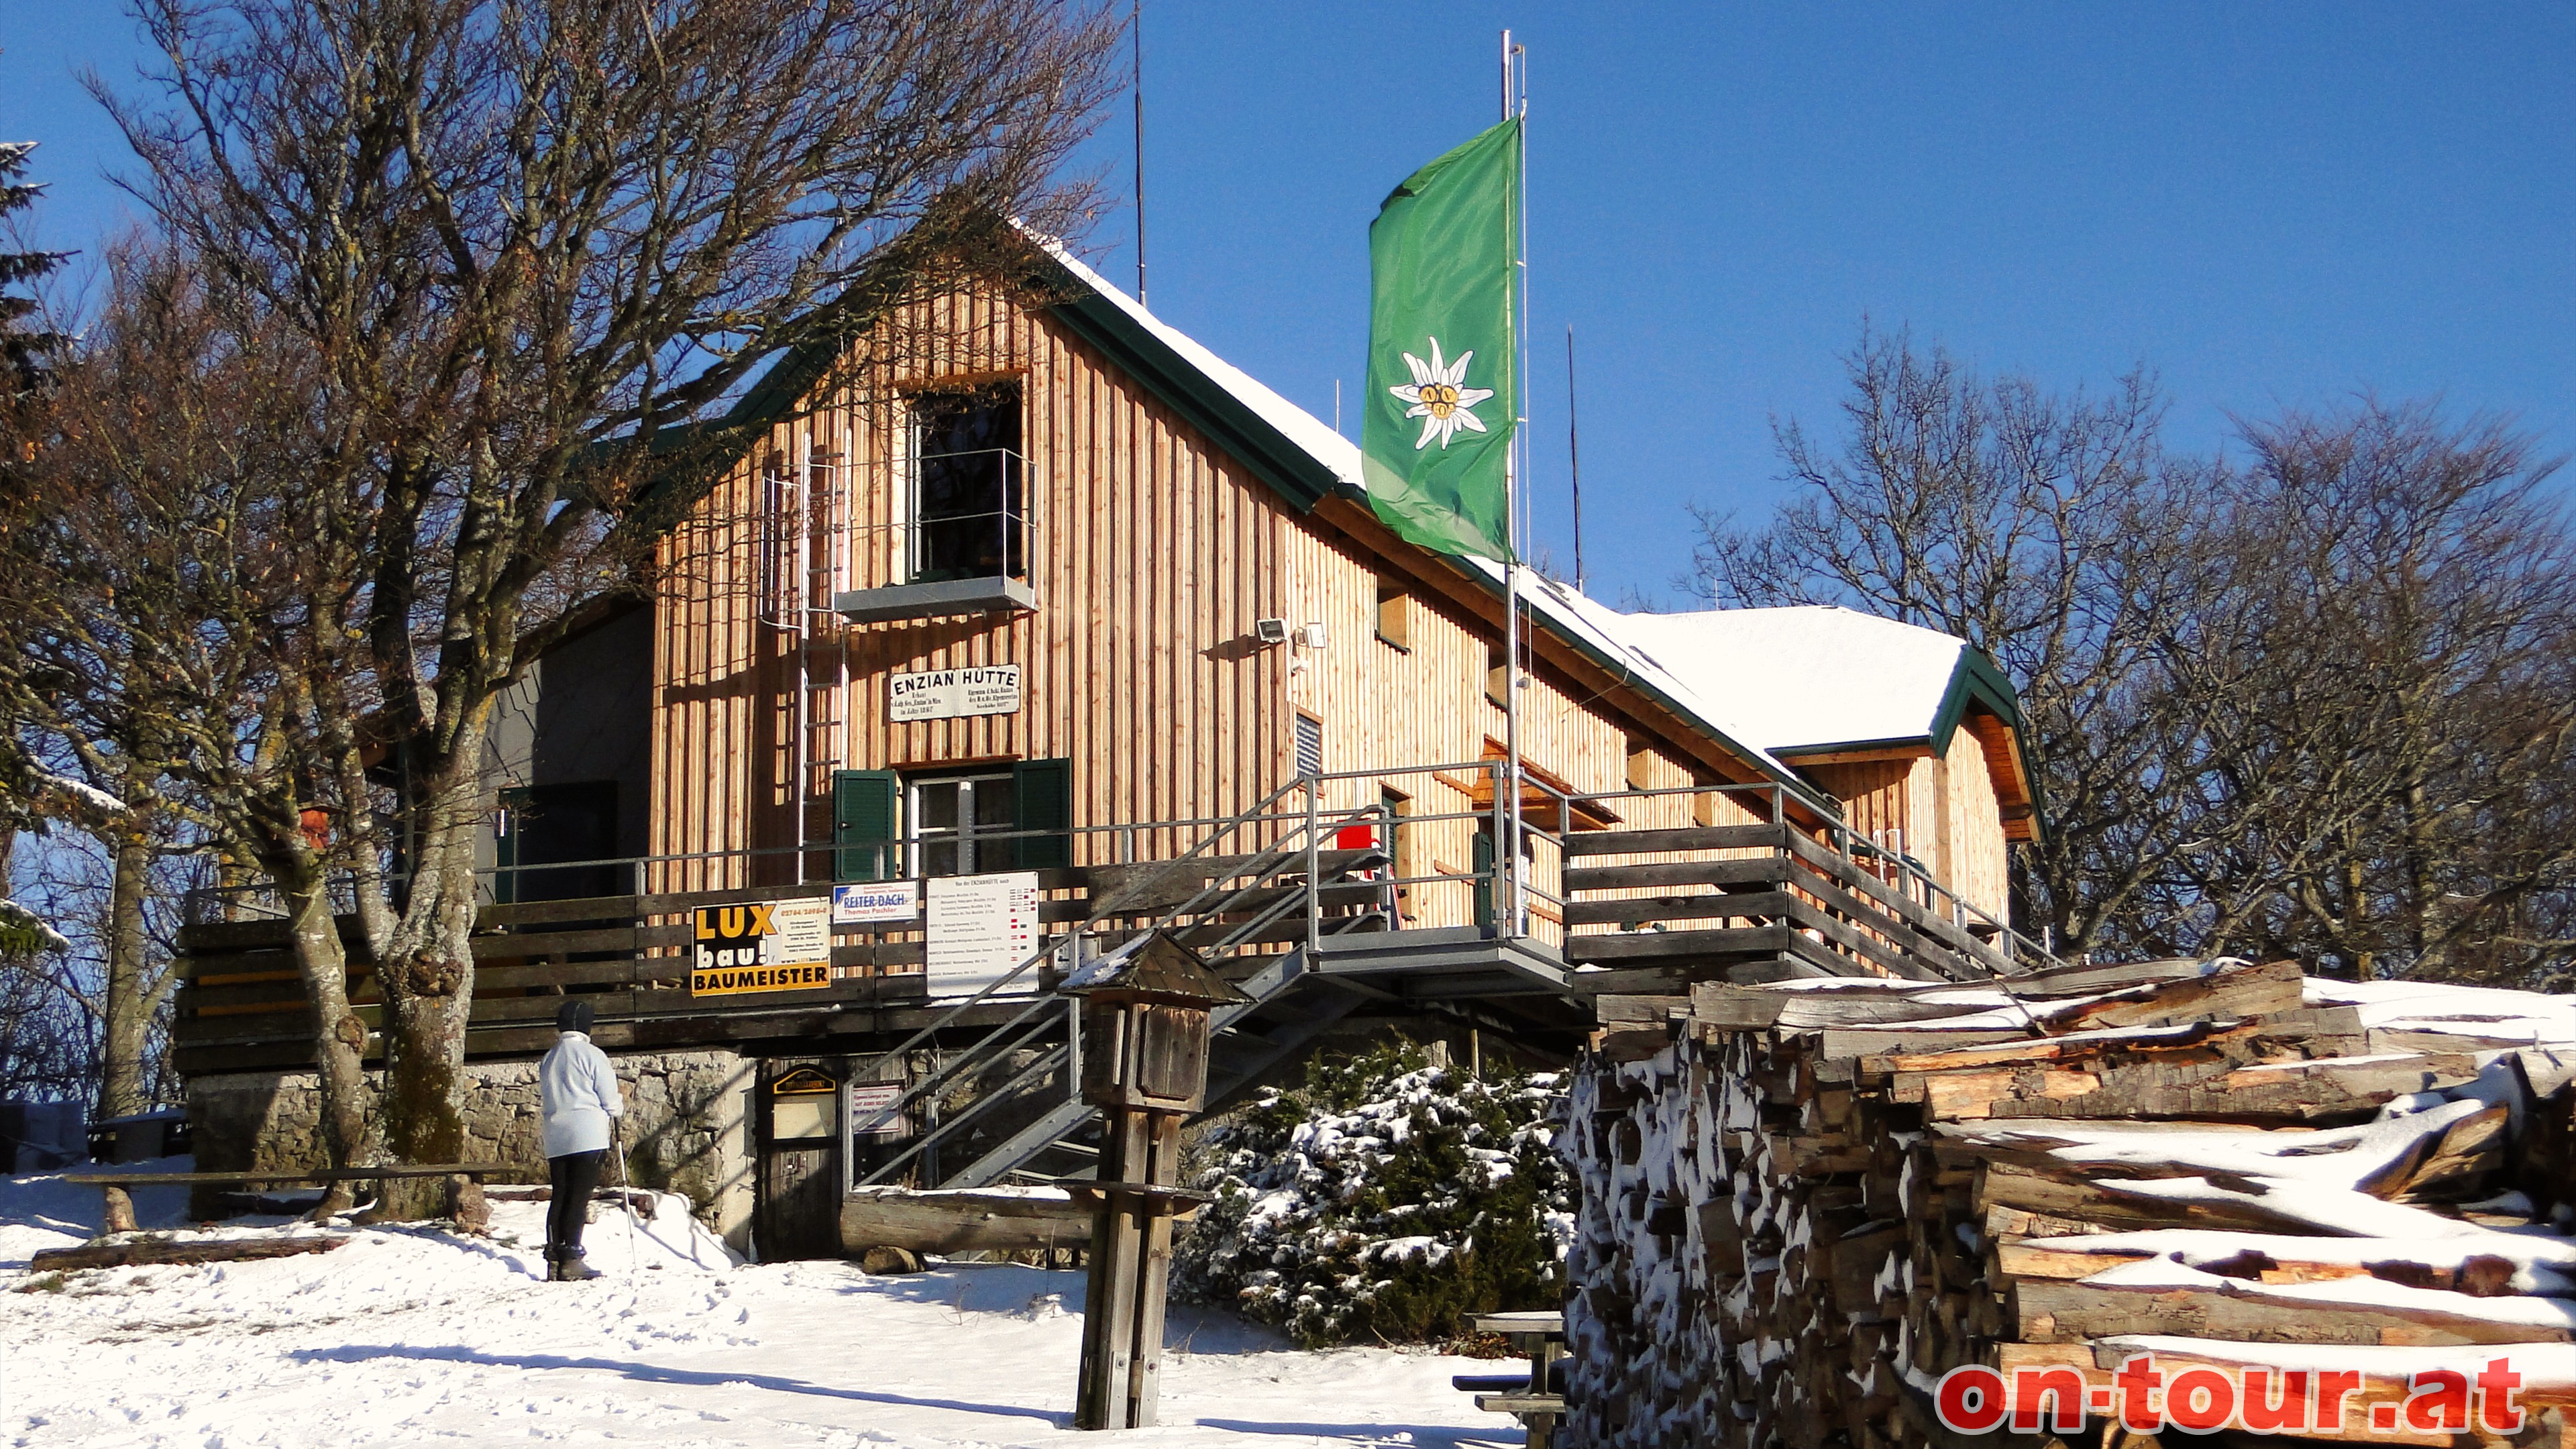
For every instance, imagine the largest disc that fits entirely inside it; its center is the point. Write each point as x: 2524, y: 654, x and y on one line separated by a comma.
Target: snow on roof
x: 1605, y: 629
x: 1568, y: 613
x: 1809, y: 676
x: 1299, y: 426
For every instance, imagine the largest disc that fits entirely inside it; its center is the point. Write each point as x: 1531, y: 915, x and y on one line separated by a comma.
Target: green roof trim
x: 1242, y: 433
x: 1978, y: 681
x: 1974, y: 680
x: 1795, y: 753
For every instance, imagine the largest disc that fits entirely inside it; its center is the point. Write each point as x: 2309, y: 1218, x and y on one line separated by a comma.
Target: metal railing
x: 1183, y: 838
x: 979, y: 543
x: 1296, y: 847
x: 1268, y: 883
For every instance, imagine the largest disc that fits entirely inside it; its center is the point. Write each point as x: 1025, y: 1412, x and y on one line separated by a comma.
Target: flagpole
x: 1515, y: 912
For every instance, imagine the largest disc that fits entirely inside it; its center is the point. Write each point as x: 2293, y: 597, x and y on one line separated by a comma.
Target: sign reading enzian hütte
x: 1440, y: 399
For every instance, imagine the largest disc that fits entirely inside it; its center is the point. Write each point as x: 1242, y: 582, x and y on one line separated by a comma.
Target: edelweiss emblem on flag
x: 1438, y: 399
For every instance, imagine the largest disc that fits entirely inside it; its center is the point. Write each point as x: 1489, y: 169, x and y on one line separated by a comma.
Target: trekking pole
x: 625, y: 1189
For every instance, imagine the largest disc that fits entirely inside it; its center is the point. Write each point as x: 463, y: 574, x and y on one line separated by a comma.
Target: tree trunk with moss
x: 127, y: 1005
x: 339, y: 1036
x: 427, y: 970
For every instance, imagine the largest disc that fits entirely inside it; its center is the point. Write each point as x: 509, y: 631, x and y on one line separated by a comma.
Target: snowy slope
x: 416, y: 1336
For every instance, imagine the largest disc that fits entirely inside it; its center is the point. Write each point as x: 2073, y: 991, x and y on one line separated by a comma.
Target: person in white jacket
x: 578, y: 1089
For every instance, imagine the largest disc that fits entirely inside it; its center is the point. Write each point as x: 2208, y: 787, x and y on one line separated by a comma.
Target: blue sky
x: 2270, y: 205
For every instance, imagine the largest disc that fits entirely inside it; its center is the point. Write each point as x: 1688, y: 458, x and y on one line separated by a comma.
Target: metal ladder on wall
x: 1032, y: 1056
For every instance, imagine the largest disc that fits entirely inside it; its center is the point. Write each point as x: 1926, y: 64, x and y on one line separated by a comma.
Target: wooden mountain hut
x: 1029, y: 623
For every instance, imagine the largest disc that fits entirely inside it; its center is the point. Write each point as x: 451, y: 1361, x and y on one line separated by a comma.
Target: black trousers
x: 575, y: 1176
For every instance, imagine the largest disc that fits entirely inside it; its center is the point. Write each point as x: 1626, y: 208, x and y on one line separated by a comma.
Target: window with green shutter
x: 864, y: 843
x: 1043, y: 795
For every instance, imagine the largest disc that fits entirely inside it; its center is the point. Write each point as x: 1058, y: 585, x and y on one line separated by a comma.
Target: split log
x: 2249, y: 991
x: 2477, y: 1275
x: 2046, y: 1312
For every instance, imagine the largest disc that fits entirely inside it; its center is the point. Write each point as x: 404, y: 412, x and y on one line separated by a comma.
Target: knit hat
x: 573, y: 1015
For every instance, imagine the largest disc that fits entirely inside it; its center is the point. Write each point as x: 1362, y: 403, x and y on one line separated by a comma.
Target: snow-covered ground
x: 416, y: 1336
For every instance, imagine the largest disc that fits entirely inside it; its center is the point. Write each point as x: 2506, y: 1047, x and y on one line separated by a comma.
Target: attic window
x: 1394, y: 614
x: 1497, y: 673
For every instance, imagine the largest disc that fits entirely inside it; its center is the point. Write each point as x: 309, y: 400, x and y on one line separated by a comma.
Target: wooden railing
x: 1643, y: 906
x: 241, y: 1002
x: 1806, y: 909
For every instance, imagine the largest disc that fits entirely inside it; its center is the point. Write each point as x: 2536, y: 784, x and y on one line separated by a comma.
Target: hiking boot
x: 571, y: 1269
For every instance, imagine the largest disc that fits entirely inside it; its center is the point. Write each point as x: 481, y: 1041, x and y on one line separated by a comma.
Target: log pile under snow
x: 1804, y: 1204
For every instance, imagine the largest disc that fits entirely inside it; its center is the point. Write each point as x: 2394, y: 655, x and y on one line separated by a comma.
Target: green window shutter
x: 1042, y: 794
x: 1481, y: 861
x: 864, y: 845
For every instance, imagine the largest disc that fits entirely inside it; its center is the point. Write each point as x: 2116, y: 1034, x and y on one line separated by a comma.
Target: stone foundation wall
x: 688, y: 1130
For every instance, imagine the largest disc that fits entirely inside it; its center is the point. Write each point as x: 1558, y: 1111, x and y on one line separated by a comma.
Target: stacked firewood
x: 1806, y: 1204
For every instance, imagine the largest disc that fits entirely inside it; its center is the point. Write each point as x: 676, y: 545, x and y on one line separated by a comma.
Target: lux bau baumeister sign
x: 953, y: 693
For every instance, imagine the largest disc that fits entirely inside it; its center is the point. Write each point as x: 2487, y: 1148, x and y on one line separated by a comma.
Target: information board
x: 981, y: 926
x: 953, y: 693
x: 762, y: 946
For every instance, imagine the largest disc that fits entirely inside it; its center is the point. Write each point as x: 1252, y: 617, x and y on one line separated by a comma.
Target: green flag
x: 1436, y: 419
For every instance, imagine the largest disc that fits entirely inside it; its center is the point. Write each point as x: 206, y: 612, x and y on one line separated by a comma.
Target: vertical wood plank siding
x: 1975, y: 857
x: 1152, y: 555
x: 1945, y: 809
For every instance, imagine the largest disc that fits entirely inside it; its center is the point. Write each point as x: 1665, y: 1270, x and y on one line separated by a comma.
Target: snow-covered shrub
x: 1382, y: 1201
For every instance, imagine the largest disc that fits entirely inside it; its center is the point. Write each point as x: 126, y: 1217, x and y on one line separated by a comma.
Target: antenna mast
x: 1513, y: 916
x: 1574, y: 457
x: 1136, y: 89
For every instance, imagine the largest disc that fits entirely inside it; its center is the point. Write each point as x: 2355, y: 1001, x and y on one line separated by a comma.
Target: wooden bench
x: 116, y: 1213
x: 1535, y: 1396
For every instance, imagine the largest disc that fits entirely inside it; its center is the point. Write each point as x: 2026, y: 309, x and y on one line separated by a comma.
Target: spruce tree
x: 26, y: 352
x: 25, y: 348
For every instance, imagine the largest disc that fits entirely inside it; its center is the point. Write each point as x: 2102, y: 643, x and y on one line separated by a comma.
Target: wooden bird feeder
x: 1145, y: 1028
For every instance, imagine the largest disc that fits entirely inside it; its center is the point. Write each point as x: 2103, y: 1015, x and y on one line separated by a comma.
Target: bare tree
x: 2317, y: 705
x: 528, y: 243
x: 2050, y: 532
x: 2410, y: 595
x: 177, y: 585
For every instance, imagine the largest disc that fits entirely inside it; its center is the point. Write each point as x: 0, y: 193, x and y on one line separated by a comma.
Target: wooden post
x: 1145, y: 1026
x: 1154, y: 1268
x: 1131, y: 1262
x: 1109, y: 1315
